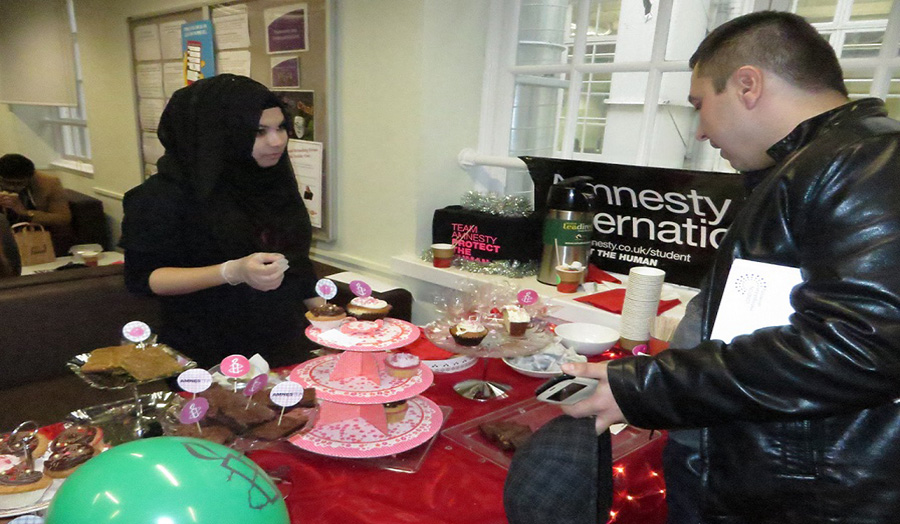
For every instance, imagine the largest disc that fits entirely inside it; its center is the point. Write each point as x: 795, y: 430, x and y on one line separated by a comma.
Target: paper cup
x: 569, y: 279
x: 442, y: 255
x: 91, y: 258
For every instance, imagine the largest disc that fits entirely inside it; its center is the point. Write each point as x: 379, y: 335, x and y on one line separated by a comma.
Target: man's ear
x: 749, y: 82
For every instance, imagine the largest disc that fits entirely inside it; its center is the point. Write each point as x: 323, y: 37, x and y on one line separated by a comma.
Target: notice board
x: 282, y: 44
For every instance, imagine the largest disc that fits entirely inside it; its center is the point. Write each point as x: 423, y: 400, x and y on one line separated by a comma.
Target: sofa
x: 89, y: 225
x: 47, y: 318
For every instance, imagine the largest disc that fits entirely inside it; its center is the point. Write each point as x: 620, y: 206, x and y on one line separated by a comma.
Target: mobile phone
x: 566, y: 389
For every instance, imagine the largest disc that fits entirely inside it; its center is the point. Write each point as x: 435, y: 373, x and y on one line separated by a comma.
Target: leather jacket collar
x: 808, y: 129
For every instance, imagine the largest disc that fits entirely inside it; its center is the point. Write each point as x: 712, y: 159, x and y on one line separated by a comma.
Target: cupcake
x: 468, y: 333
x: 79, y: 434
x: 327, y: 316
x: 20, y: 486
x: 65, y: 460
x: 395, y: 411
x: 13, y: 446
x: 402, y: 365
x: 368, y: 308
x: 515, y: 320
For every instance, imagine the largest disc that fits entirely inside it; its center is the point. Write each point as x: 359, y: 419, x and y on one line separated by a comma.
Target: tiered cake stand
x: 353, y: 386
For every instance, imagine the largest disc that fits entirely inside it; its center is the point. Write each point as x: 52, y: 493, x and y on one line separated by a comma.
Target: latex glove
x: 262, y: 271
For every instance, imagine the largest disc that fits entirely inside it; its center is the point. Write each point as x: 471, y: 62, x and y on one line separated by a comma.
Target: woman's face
x: 271, y: 138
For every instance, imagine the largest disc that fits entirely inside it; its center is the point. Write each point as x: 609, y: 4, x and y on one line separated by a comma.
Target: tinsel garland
x: 494, y: 204
x: 507, y: 268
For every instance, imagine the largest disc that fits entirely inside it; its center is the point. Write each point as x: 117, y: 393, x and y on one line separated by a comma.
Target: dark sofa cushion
x: 47, y: 318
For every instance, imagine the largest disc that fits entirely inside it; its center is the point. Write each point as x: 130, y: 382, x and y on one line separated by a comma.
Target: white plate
x: 530, y: 372
x: 451, y: 365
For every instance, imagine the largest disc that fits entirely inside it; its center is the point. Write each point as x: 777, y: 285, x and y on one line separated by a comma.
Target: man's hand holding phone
x: 600, y: 402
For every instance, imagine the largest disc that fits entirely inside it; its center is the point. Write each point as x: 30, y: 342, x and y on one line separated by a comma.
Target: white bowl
x: 587, y: 339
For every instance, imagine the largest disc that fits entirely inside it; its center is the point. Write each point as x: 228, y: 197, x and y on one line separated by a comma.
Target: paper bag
x: 35, y: 244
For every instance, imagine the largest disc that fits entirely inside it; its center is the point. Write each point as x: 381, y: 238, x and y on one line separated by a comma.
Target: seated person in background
x: 10, y: 263
x: 27, y: 195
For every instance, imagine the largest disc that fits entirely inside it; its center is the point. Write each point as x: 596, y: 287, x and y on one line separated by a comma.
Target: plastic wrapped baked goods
x: 141, y: 363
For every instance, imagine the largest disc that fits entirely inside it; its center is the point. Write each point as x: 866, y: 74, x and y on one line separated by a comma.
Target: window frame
x: 502, y: 74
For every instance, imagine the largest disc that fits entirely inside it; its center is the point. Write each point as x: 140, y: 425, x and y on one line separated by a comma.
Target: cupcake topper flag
x: 360, y: 288
x: 194, y: 411
x: 286, y: 394
x: 194, y: 381
x: 256, y: 384
x: 326, y: 289
x: 136, y: 331
x: 235, y: 366
x: 527, y: 297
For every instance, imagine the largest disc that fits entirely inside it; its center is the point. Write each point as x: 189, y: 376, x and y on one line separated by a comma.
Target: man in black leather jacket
x: 799, y: 421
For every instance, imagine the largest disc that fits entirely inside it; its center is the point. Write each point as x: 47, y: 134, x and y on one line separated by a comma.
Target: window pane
x: 817, y: 11
x: 870, y: 10
x: 893, y: 98
x: 861, y: 45
x: 68, y: 140
x: 543, y: 29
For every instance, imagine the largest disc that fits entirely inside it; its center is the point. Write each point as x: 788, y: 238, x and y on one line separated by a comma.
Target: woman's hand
x: 602, y: 403
x: 262, y: 271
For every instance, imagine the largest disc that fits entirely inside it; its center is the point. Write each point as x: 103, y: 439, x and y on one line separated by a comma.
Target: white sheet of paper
x: 150, y: 109
x: 173, y: 77
x: 170, y: 39
x: 757, y: 295
x: 150, y: 80
x: 146, y: 42
x: 231, y: 26
x: 234, y: 62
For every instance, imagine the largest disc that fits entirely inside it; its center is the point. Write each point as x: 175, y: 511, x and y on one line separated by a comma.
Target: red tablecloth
x: 454, y: 485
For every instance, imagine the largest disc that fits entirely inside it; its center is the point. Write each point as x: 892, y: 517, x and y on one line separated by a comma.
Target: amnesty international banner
x: 672, y: 219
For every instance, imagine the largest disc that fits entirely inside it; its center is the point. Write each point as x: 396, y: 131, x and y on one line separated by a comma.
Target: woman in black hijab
x: 221, y: 233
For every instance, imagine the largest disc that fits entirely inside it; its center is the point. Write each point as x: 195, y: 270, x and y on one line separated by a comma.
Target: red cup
x: 656, y: 345
x: 567, y: 287
x: 442, y: 255
x: 442, y: 262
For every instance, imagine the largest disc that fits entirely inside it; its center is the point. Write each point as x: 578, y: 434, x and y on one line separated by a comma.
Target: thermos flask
x: 568, y: 225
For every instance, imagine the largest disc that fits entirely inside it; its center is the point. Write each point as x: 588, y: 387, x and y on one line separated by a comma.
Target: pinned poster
x: 170, y: 39
x: 306, y: 159
x: 285, y: 71
x: 146, y: 42
x: 234, y: 62
x: 232, y: 26
x: 199, y: 54
x: 286, y: 28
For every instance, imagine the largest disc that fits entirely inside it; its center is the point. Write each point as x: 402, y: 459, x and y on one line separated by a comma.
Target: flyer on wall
x: 286, y: 28
x: 306, y: 159
x: 285, y: 72
x: 199, y: 55
x: 300, y: 106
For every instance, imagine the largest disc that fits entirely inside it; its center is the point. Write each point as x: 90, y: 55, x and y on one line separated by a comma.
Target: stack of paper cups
x: 642, y: 293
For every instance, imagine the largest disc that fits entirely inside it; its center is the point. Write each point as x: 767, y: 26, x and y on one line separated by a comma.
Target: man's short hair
x: 16, y: 167
x: 780, y: 42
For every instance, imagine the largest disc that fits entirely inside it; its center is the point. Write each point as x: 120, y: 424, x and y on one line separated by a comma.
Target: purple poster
x: 286, y: 28
x: 285, y: 72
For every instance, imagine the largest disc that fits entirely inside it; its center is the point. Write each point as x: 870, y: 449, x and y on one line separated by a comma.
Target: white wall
x: 409, y: 75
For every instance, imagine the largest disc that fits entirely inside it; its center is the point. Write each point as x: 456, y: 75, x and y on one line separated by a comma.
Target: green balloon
x: 168, y: 480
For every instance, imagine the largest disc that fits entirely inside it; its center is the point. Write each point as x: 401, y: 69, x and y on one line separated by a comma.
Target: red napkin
x: 612, y: 301
x: 425, y: 350
x: 595, y: 274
